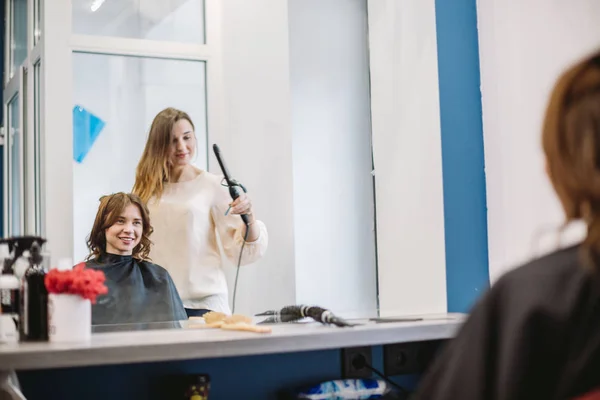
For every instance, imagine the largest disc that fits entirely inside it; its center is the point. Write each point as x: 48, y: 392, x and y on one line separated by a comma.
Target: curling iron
x: 235, y: 188
x: 296, y: 313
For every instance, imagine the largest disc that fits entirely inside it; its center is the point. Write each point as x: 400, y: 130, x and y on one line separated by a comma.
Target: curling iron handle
x: 234, y: 191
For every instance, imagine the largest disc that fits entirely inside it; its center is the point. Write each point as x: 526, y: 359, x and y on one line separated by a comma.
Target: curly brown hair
x: 111, y: 207
x: 571, y: 143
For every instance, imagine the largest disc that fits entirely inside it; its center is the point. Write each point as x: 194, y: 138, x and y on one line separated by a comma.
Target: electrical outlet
x: 349, y: 371
x: 408, y: 358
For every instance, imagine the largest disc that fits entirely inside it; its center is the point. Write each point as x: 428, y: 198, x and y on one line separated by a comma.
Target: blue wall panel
x: 252, y: 377
x: 463, y: 163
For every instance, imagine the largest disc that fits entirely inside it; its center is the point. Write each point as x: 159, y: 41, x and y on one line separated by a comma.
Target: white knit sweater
x: 189, y: 221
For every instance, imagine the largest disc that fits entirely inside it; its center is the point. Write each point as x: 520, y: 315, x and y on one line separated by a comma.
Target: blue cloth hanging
x: 86, y: 128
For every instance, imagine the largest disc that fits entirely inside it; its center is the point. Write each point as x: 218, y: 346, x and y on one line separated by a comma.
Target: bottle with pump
x: 33, y: 306
x: 9, y: 298
x: 34, y: 310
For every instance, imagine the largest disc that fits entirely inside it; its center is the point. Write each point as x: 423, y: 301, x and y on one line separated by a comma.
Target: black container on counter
x: 34, y: 298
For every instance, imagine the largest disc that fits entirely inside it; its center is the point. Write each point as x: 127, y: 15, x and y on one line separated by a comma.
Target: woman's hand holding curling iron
x: 243, y: 205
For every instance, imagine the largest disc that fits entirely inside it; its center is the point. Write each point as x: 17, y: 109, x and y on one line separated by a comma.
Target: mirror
x: 314, y: 245
x: 288, y: 97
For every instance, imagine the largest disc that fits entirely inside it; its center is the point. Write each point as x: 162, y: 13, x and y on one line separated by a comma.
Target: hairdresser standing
x: 190, y: 211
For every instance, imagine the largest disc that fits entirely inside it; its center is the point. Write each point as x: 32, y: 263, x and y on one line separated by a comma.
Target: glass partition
x: 165, y: 20
x: 37, y: 14
x: 18, y: 34
x: 37, y: 148
x: 15, y: 162
x: 115, y: 99
x: 22, y: 121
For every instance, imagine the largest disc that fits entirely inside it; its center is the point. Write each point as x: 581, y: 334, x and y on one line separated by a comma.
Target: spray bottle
x: 34, y: 312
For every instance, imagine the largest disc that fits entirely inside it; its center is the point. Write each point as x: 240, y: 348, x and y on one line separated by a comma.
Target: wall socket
x: 408, y: 358
x: 348, y: 370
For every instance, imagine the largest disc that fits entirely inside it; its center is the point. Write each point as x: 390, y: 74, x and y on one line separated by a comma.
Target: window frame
x: 209, y: 52
x: 15, y: 90
x: 21, y: 83
x: 58, y: 44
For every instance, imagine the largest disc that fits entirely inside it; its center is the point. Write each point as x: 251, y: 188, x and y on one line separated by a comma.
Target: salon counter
x: 135, y: 364
x: 189, y: 343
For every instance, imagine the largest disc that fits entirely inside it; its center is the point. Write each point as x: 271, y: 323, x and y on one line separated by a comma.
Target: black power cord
x: 232, y: 183
x: 359, y: 362
x: 234, y: 191
x: 237, y: 270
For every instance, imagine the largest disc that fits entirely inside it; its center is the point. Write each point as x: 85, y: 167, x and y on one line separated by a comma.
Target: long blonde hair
x: 571, y: 143
x: 153, y: 169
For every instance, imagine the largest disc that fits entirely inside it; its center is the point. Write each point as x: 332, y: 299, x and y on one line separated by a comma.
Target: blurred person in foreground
x: 536, y: 333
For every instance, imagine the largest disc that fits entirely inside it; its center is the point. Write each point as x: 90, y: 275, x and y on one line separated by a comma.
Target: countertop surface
x: 170, y: 342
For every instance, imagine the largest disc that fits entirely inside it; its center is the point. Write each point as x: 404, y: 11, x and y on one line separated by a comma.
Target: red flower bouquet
x: 85, y: 282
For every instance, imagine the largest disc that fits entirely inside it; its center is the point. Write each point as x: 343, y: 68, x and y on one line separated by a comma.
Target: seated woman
x: 138, y: 291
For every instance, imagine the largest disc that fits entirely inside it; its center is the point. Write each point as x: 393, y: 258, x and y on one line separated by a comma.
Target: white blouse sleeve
x: 231, y: 229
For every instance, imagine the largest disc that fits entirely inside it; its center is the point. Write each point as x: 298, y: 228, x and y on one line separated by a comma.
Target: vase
x: 70, y: 318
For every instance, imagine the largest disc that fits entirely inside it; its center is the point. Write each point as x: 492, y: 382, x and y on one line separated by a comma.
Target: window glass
x: 167, y: 20
x: 116, y: 98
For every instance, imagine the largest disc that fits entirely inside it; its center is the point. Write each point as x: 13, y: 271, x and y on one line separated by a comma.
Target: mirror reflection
x: 155, y: 85
x: 119, y: 243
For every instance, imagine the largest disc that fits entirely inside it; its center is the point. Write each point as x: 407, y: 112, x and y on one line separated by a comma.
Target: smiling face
x: 126, y: 232
x: 183, y: 143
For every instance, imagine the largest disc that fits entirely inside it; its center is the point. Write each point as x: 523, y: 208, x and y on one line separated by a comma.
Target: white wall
x: 257, y: 140
x: 331, y: 129
x: 407, y: 154
x: 524, y: 45
x: 57, y: 137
